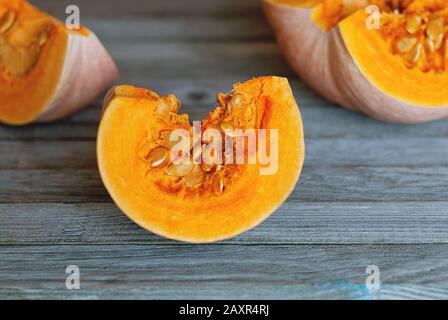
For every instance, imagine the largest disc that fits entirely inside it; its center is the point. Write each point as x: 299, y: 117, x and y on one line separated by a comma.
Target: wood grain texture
x: 224, y: 271
x: 137, y: 9
x: 296, y: 222
x: 317, y: 184
x: 370, y: 192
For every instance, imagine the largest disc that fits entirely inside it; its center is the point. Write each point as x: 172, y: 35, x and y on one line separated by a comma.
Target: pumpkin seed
x: 179, y: 169
x: 236, y: 101
x: 406, y: 44
x: 414, y: 24
x: 166, y: 106
x: 415, y: 54
x: 430, y: 44
x: 438, y: 42
x: 195, y: 177
x: 158, y: 157
x: 435, y: 28
x: 173, y: 103
x: 162, y: 109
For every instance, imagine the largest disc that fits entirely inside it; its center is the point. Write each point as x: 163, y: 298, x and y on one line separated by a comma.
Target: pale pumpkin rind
x: 55, y: 79
x: 203, y: 217
x: 354, y: 66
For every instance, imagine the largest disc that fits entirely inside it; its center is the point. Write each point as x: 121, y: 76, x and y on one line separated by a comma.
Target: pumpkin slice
x: 212, y: 198
x: 47, y: 71
x: 388, y: 59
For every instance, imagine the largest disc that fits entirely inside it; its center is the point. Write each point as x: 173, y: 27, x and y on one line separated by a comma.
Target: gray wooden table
x: 370, y: 192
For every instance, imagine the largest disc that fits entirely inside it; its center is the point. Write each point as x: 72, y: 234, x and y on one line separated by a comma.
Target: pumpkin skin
x: 190, y: 215
x: 47, y: 71
x: 353, y: 65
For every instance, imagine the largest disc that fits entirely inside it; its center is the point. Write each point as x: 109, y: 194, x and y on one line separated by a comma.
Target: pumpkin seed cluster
x: 417, y: 31
x: 210, y: 173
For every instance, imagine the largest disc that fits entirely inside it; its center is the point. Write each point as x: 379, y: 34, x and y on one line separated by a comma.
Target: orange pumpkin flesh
x: 396, y: 73
x: 202, y: 203
x: 47, y: 71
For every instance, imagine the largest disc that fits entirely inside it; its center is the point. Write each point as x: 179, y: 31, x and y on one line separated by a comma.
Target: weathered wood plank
x: 181, y: 29
x: 294, y: 223
x: 226, y: 271
x: 217, y: 290
x: 339, y: 290
x: 162, y: 23
x: 317, y: 184
x: 143, y: 63
x: 153, y: 8
x: 20, y: 155
x: 60, y: 186
x: 382, y: 184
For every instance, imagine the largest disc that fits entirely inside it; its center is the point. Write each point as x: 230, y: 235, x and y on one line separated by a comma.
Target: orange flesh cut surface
x: 200, y: 203
x: 33, y: 47
x: 411, y: 44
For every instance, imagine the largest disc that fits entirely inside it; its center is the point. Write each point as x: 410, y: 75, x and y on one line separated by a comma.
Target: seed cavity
x: 209, y: 173
x: 417, y: 33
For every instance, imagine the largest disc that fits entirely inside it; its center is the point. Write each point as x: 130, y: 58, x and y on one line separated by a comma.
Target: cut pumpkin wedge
x: 46, y: 70
x: 211, y: 199
x: 384, y: 58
